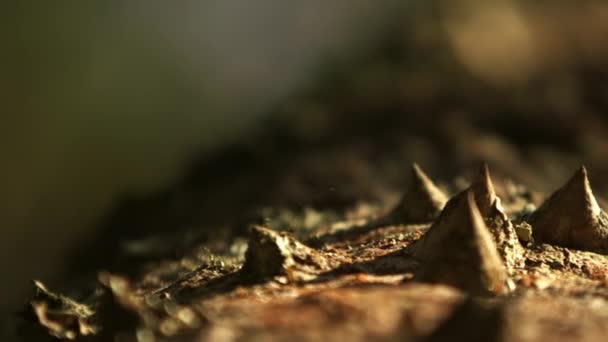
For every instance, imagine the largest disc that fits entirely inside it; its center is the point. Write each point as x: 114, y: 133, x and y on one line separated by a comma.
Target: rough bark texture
x: 462, y: 276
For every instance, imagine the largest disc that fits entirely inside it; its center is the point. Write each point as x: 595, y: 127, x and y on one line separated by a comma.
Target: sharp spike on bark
x: 571, y: 217
x: 501, y: 228
x: 483, y: 189
x: 505, y: 237
x: 483, y: 192
x: 459, y: 250
x: 422, y: 202
x: 270, y: 253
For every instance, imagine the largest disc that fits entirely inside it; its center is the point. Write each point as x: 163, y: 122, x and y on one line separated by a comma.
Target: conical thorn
x: 422, y: 202
x: 458, y: 250
x: 571, y: 217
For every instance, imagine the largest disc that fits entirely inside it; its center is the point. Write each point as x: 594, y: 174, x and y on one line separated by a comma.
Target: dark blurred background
x: 125, y: 118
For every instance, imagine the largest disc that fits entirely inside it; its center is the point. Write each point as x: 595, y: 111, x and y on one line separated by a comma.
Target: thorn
x: 270, y: 253
x: 490, y: 208
x: 422, y: 202
x: 483, y: 193
x: 458, y: 250
x: 571, y: 217
x: 483, y: 189
x: 501, y: 228
x: 505, y: 237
